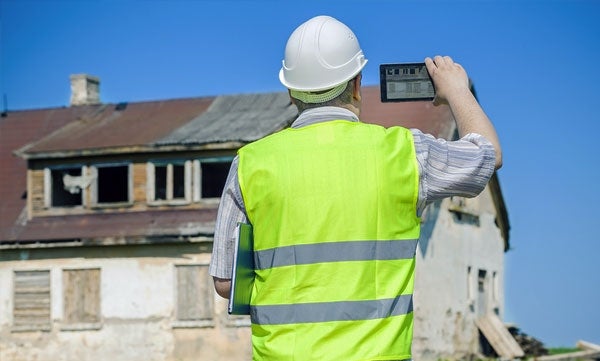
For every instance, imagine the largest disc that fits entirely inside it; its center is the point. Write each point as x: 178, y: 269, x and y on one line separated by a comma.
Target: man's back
x: 333, y: 207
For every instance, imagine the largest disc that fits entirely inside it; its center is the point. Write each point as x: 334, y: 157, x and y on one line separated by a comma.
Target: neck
x: 353, y: 108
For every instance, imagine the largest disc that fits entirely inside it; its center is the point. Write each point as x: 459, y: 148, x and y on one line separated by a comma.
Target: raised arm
x: 452, y: 88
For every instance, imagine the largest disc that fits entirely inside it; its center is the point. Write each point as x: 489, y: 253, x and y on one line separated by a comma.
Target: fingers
x: 439, y: 62
x: 443, y: 61
x: 447, y: 77
x: 430, y: 65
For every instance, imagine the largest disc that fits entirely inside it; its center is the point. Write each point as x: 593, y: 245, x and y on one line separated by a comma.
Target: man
x: 335, y: 205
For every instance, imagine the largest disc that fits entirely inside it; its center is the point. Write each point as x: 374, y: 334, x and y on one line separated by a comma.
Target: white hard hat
x: 321, y: 54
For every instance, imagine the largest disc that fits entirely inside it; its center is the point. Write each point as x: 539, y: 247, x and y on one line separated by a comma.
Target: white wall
x: 137, y: 308
x: 444, y: 314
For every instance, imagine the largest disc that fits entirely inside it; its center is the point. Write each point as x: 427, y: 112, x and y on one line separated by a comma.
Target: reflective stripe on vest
x: 335, y: 252
x: 333, y: 207
x: 332, y: 311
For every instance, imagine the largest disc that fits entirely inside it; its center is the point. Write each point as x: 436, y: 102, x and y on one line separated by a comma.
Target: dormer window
x: 64, y: 186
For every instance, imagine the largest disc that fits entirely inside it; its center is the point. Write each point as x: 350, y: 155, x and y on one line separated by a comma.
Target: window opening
x: 178, y: 181
x: 482, y: 293
x: 214, y: 175
x: 65, y: 188
x: 469, y: 284
x: 160, y: 182
x: 481, y: 280
x: 113, y: 184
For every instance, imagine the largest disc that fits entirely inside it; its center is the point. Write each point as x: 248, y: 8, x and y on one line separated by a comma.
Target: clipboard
x: 243, y: 271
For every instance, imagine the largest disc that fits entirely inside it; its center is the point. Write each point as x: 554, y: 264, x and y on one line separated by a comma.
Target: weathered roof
x: 132, y: 127
x: 124, y: 125
x: 241, y: 118
x: 108, y: 129
x: 16, y: 130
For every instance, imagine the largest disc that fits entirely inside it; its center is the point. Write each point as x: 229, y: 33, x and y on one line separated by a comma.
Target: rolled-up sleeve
x: 231, y: 212
x: 452, y: 168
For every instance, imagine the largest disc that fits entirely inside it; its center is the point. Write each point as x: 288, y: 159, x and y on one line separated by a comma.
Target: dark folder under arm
x: 243, y: 272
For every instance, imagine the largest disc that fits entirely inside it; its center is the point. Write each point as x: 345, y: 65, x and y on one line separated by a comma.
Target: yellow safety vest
x: 333, y: 207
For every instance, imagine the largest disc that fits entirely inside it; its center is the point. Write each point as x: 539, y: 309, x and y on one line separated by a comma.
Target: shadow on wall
x: 428, y: 221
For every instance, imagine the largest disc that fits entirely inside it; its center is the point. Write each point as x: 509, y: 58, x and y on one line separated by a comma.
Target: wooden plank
x: 498, y: 336
x: 584, y: 345
x: 571, y: 356
x: 139, y: 182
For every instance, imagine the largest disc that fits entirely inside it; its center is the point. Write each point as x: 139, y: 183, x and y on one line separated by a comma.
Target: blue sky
x: 533, y: 64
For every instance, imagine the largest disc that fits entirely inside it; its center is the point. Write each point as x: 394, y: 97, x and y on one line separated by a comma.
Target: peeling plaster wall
x: 137, y: 308
x: 445, y: 307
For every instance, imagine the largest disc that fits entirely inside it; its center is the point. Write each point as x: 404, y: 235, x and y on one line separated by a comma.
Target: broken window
x: 461, y: 213
x: 169, y: 181
x: 81, y: 290
x: 482, y: 292
x: 112, y: 183
x: 194, y: 297
x: 31, y: 306
x: 469, y: 283
x: 211, y: 175
x: 481, y: 280
x: 64, y: 186
x: 495, y: 292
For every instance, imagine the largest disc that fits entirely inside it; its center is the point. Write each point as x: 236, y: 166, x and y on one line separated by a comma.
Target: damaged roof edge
x: 501, y: 212
x: 155, y: 148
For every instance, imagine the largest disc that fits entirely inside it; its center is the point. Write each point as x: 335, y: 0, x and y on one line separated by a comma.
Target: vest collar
x: 323, y: 114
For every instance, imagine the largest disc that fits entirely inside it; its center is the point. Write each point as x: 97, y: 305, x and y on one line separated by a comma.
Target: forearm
x: 452, y: 88
x: 470, y: 118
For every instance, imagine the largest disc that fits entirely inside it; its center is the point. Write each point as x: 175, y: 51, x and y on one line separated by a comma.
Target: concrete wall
x: 447, y: 297
x: 137, y: 308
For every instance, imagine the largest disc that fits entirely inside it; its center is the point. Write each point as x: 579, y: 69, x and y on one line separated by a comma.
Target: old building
x: 107, y: 218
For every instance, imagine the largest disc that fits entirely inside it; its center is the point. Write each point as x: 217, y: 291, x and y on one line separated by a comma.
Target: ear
x: 292, y: 100
x: 356, y: 91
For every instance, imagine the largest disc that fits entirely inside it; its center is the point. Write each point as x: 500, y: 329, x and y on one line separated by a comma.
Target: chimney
x: 85, y: 89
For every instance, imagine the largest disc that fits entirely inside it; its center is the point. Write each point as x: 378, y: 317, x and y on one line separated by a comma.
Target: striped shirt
x: 446, y: 168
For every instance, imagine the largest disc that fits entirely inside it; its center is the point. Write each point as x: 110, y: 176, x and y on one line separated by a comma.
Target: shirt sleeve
x: 452, y: 168
x: 231, y: 212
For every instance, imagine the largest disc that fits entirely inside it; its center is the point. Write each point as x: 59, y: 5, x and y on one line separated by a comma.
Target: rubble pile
x: 530, y: 345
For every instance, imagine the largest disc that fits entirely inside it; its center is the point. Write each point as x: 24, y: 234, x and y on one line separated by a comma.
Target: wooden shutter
x: 81, y: 289
x: 31, y: 307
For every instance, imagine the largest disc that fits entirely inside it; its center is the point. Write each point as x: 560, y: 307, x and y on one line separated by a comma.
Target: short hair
x: 344, y: 98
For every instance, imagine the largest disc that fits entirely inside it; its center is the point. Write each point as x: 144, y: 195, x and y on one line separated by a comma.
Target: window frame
x: 197, y: 169
x: 48, y: 185
x: 151, y: 182
x: 93, y: 169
